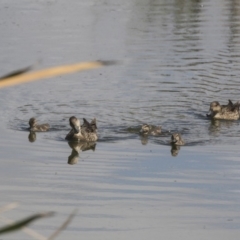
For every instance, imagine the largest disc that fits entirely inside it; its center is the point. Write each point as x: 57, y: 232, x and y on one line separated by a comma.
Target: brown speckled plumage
x: 227, y: 112
x: 34, y: 127
x: 176, y: 139
x: 150, y: 130
x: 86, y: 132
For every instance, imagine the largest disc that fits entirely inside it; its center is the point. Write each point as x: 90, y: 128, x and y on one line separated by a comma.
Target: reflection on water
x: 223, y: 127
x: 175, y: 150
x: 166, y: 139
x: 32, y: 136
x: 77, y: 147
x: 144, y: 140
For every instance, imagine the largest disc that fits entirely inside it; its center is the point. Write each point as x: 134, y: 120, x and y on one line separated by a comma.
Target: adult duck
x: 227, y: 112
x: 86, y: 132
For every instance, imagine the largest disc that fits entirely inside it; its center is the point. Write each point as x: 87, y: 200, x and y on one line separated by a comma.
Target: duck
x: 34, y: 127
x: 87, y: 132
x: 227, y: 112
x: 147, y: 129
x: 176, y: 139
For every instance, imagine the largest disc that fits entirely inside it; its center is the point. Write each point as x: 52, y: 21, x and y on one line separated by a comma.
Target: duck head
x: 215, y: 107
x: 32, y: 122
x: 145, y: 129
x: 75, y: 124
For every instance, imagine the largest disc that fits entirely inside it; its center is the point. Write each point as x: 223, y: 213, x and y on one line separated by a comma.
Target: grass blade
x: 30, y: 232
x: 22, y: 223
x: 16, y: 72
x: 63, y: 226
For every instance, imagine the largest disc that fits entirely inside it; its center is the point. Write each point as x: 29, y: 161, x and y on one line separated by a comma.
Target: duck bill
x: 209, y: 114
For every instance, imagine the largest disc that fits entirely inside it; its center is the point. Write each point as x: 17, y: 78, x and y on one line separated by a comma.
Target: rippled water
x: 175, y: 57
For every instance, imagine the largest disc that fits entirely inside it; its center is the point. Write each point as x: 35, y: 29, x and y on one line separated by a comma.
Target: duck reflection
x: 175, y: 149
x: 32, y: 137
x: 216, y: 125
x: 144, y: 140
x: 77, y: 147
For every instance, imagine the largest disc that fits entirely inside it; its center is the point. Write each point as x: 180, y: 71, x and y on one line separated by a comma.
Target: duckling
x: 227, y: 112
x: 176, y: 139
x: 150, y: 130
x: 86, y: 132
x: 34, y: 127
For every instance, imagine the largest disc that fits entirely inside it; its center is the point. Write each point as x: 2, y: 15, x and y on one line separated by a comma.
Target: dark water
x: 175, y: 58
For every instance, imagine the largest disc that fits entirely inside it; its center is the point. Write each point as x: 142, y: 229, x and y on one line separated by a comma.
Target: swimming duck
x: 176, y: 139
x: 34, y: 127
x: 150, y: 130
x: 227, y: 112
x: 86, y: 132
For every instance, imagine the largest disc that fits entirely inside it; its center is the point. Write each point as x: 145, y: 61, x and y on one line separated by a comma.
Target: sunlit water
x: 175, y: 57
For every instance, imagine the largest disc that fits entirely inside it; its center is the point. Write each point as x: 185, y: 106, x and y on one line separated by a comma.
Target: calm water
x: 176, y: 57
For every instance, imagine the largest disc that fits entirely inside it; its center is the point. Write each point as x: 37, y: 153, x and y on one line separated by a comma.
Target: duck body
x: 34, y: 127
x: 150, y: 130
x: 87, y: 132
x: 176, y: 139
x: 226, y: 112
x: 89, y: 127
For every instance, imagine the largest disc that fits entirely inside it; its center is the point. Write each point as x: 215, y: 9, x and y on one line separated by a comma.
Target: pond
x: 174, y: 58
